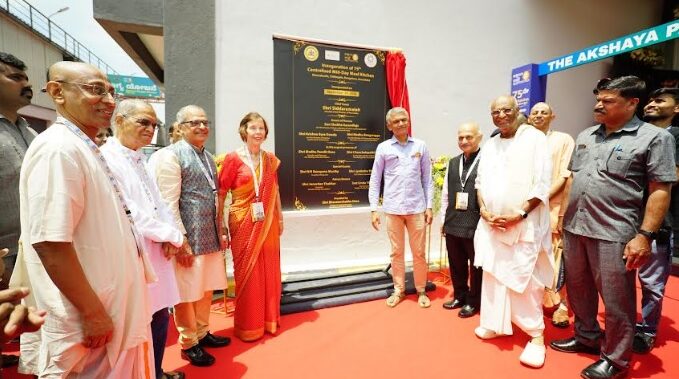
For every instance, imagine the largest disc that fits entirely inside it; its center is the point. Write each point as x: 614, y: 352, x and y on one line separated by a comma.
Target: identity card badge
x: 257, y: 211
x: 461, y: 201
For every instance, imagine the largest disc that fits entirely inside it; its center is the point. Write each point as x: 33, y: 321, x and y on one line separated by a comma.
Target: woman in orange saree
x: 255, y: 225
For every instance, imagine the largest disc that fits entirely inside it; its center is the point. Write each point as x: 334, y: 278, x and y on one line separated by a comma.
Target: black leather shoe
x: 210, y: 340
x: 571, y: 345
x: 453, y: 304
x: 467, y: 311
x: 198, y: 357
x: 643, y: 343
x: 603, y: 369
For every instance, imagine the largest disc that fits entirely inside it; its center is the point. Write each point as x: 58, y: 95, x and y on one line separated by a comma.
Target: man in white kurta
x: 512, y: 239
x: 78, y: 248
x: 135, y: 122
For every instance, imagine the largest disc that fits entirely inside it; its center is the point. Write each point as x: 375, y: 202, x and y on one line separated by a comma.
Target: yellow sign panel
x: 339, y: 92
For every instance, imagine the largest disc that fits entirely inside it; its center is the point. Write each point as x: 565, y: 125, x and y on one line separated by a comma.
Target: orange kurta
x: 255, y: 246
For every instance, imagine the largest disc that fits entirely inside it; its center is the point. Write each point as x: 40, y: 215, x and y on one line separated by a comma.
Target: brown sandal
x: 173, y: 375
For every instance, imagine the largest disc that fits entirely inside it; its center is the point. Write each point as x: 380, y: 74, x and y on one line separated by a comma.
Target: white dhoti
x: 517, y: 260
x: 500, y: 306
x: 79, y: 362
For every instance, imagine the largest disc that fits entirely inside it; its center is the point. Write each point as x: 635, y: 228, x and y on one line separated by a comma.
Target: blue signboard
x: 134, y: 86
x: 528, y: 87
x: 630, y: 42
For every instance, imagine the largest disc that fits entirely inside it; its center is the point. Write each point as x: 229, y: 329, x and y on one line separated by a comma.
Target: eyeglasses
x: 197, y: 123
x: 93, y: 89
x: 497, y: 112
x: 143, y: 122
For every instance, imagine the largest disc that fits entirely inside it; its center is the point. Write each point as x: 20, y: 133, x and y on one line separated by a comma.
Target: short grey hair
x: 394, y: 111
x: 126, y: 107
x: 182, y: 114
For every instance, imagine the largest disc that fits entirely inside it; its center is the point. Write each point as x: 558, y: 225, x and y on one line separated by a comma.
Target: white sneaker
x: 533, y: 355
x: 485, y: 334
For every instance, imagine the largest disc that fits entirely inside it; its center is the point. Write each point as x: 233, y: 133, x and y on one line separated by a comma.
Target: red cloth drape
x: 396, y: 83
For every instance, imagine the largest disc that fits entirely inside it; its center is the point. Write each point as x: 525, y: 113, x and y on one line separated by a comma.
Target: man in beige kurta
x: 561, y: 148
x: 186, y: 176
x: 77, y: 244
x: 512, y: 239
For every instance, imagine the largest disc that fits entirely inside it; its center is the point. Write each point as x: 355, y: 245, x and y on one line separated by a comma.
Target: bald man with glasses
x: 79, y: 248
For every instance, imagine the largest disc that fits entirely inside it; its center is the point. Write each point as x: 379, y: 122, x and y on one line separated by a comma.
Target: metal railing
x: 25, y: 13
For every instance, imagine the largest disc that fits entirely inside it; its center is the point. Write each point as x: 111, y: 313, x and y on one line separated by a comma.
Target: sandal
x: 394, y: 299
x: 560, y: 318
x: 423, y: 300
x: 173, y: 375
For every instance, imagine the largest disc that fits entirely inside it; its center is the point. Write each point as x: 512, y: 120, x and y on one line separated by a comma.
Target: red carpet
x: 370, y: 340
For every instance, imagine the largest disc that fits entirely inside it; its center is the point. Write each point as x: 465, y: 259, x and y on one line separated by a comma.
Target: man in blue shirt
x: 403, y: 164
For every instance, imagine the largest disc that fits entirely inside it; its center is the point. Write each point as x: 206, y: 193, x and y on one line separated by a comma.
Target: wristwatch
x: 647, y: 234
x: 523, y: 213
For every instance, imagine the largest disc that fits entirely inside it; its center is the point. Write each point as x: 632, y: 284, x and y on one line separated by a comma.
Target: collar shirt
x: 73, y: 200
x: 610, y: 174
x: 406, y: 169
x: 14, y: 141
x: 152, y: 217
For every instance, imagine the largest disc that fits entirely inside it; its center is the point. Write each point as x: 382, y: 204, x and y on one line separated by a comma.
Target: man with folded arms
x: 134, y: 122
x: 512, y: 240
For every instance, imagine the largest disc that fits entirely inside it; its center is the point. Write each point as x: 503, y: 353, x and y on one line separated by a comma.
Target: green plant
x: 439, y: 166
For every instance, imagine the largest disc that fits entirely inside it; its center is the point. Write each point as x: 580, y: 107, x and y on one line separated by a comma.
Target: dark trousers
x: 159, y: 325
x: 594, y: 267
x: 461, y: 261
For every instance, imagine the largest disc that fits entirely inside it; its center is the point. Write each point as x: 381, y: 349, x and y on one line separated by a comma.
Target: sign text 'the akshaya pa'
x: 630, y: 42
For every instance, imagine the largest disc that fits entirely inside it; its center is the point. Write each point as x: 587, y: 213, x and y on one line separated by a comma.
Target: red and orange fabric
x: 255, y: 245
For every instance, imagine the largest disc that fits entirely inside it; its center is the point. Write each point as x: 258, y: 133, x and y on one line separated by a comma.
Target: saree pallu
x: 255, y: 247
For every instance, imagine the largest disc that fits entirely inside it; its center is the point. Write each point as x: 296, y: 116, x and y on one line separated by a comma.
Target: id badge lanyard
x: 257, y: 206
x: 463, y: 181
x: 209, y: 176
x: 462, y: 197
x: 149, y: 273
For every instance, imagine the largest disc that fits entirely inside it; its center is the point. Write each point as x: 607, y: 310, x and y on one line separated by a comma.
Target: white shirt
x: 165, y: 167
x: 66, y: 196
x: 151, y: 215
x: 511, y: 171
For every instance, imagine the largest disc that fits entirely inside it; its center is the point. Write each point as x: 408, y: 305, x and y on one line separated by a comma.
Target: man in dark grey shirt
x: 15, y: 136
x: 608, y: 225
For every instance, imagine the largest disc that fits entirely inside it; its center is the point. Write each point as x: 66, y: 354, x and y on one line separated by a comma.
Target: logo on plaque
x: 311, y: 53
x: 370, y: 60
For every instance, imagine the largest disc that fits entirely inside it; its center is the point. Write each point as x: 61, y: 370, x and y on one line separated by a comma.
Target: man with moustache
x: 135, y: 122
x: 186, y: 177
x: 663, y: 105
x: 403, y: 163
x: 608, y: 225
x: 459, y: 220
x: 560, y: 148
x: 512, y: 240
x: 15, y: 136
x: 79, y: 249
